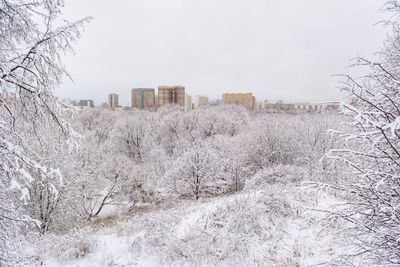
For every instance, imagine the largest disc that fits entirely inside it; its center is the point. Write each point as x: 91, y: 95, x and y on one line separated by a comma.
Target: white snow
x: 250, y: 228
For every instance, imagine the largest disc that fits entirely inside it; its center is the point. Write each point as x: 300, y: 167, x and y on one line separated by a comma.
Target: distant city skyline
x: 214, y: 47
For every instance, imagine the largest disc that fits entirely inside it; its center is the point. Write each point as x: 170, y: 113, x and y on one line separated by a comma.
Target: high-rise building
x: 188, y: 103
x: 143, y: 98
x: 245, y: 99
x: 200, y: 101
x: 113, y: 100
x: 171, y: 95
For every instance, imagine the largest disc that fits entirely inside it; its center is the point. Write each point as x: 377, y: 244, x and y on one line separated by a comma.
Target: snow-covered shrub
x: 246, y: 229
x: 72, y: 245
x: 279, y: 174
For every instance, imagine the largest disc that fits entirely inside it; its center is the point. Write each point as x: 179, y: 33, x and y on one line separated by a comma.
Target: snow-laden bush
x: 280, y: 174
x: 72, y: 245
x: 232, y: 231
x: 278, y: 226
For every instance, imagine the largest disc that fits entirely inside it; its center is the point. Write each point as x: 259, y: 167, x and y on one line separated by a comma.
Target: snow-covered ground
x: 276, y: 226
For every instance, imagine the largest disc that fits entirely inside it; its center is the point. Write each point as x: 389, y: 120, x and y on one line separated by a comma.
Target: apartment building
x: 171, y: 95
x: 113, y: 101
x: 200, y: 101
x: 143, y: 98
x: 188, y: 103
x: 245, y: 99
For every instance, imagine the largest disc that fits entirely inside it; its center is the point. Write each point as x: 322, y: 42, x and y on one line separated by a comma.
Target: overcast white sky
x: 276, y: 49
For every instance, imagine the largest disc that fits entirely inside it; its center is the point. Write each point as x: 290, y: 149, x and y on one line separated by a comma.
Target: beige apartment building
x: 245, y: 99
x: 201, y: 101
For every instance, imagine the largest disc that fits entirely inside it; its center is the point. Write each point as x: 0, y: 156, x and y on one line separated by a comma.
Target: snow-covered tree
x: 104, y: 184
x: 236, y: 118
x: 190, y: 125
x: 196, y: 173
x: 97, y: 123
x: 372, y: 150
x: 315, y: 139
x: 233, y: 156
x: 272, y: 141
x: 132, y: 135
x: 171, y: 118
x: 212, y: 122
x: 32, y: 39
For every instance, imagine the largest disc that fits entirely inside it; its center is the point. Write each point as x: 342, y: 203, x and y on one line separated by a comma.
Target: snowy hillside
x: 275, y: 226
